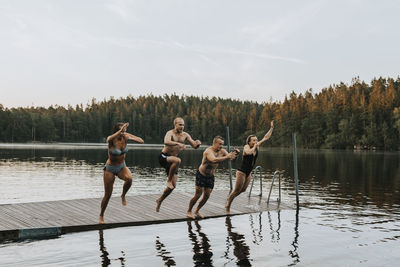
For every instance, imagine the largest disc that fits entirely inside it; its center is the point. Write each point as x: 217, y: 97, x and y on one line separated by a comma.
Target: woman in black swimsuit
x: 115, y: 165
x: 243, y: 174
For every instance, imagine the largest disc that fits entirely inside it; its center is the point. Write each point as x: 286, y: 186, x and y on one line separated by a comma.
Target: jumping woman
x: 115, y: 165
x: 243, y: 174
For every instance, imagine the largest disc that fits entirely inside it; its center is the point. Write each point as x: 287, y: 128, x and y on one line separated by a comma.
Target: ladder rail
x: 259, y: 170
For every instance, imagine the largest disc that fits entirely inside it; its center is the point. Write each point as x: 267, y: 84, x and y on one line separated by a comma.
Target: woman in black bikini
x: 243, y: 174
x: 115, y: 165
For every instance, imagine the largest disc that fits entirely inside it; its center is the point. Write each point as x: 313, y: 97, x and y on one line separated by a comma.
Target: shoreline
x: 70, y: 146
x: 60, y: 145
x: 77, y: 146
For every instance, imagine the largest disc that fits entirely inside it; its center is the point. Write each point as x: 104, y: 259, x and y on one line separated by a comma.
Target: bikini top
x: 117, y: 152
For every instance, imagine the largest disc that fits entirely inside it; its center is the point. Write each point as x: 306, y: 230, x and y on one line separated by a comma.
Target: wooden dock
x: 53, y: 218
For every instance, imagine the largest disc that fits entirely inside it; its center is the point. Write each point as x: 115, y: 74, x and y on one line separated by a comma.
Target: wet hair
x: 218, y: 137
x: 248, y: 139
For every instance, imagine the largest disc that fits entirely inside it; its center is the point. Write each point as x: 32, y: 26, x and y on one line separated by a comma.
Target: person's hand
x: 232, y: 155
x: 272, y: 124
x: 124, y: 127
x: 236, y: 151
x: 198, y: 143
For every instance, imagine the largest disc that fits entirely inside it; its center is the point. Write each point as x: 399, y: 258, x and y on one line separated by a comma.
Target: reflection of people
x: 174, y: 142
x: 202, y: 250
x: 240, y: 249
x: 243, y: 174
x: 164, y: 254
x: 212, y: 156
x: 115, y: 165
x: 105, y: 260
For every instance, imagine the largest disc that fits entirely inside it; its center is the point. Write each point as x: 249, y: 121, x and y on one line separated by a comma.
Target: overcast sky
x: 68, y: 52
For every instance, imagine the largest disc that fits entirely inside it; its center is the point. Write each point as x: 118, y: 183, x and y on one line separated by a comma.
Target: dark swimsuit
x: 162, y: 158
x: 248, y: 163
x: 115, y: 169
x: 204, y: 181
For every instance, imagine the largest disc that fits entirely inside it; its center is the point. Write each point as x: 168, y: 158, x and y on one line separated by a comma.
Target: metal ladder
x: 258, y: 168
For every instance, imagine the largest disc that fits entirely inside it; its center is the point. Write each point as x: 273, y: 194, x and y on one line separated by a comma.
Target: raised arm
x: 211, y: 157
x: 267, y: 135
x: 114, y: 135
x: 135, y: 138
x: 195, y: 144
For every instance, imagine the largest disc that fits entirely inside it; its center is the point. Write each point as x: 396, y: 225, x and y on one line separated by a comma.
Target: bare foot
x: 198, y: 215
x: 189, y: 214
x: 123, y: 200
x: 101, y: 220
x: 170, y: 185
x: 158, y: 205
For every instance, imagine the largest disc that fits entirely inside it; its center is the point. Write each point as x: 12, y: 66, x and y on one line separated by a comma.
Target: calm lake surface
x: 349, y: 215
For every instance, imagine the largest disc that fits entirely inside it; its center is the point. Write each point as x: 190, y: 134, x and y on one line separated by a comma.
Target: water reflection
x: 347, y: 197
x: 294, y: 253
x: 240, y: 249
x: 274, y: 238
x: 105, y: 260
x: 257, y: 233
x: 202, y: 255
x: 164, y: 254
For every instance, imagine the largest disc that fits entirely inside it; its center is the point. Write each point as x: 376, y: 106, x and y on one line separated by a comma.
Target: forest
x: 341, y: 116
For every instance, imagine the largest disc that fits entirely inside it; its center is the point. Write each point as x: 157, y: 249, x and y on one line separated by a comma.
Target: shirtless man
x: 212, y: 156
x: 174, y: 142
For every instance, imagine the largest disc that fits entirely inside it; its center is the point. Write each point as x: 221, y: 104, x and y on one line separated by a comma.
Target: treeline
x: 340, y: 116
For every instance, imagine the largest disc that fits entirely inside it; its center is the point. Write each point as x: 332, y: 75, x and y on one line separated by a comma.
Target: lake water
x: 349, y: 215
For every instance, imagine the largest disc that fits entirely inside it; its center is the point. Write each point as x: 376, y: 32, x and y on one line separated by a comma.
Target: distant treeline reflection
x: 340, y: 116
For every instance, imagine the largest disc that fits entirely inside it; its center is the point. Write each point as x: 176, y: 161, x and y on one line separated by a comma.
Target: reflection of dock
x: 53, y: 218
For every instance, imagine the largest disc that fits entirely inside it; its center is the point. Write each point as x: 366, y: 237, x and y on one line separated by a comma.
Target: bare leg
x: 126, y: 175
x: 159, y: 200
x: 166, y: 192
x: 246, y: 183
x: 193, y: 201
x: 173, y: 169
x: 206, y: 196
x: 240, y: 182
x: 109, y: 179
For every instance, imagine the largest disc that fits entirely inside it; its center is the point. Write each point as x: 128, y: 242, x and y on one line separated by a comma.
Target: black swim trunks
x: 162, y: 158
x: 204, y: 181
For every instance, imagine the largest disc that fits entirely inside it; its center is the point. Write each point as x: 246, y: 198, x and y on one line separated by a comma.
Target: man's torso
x: 176, y: 137
x: 208, y: 168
